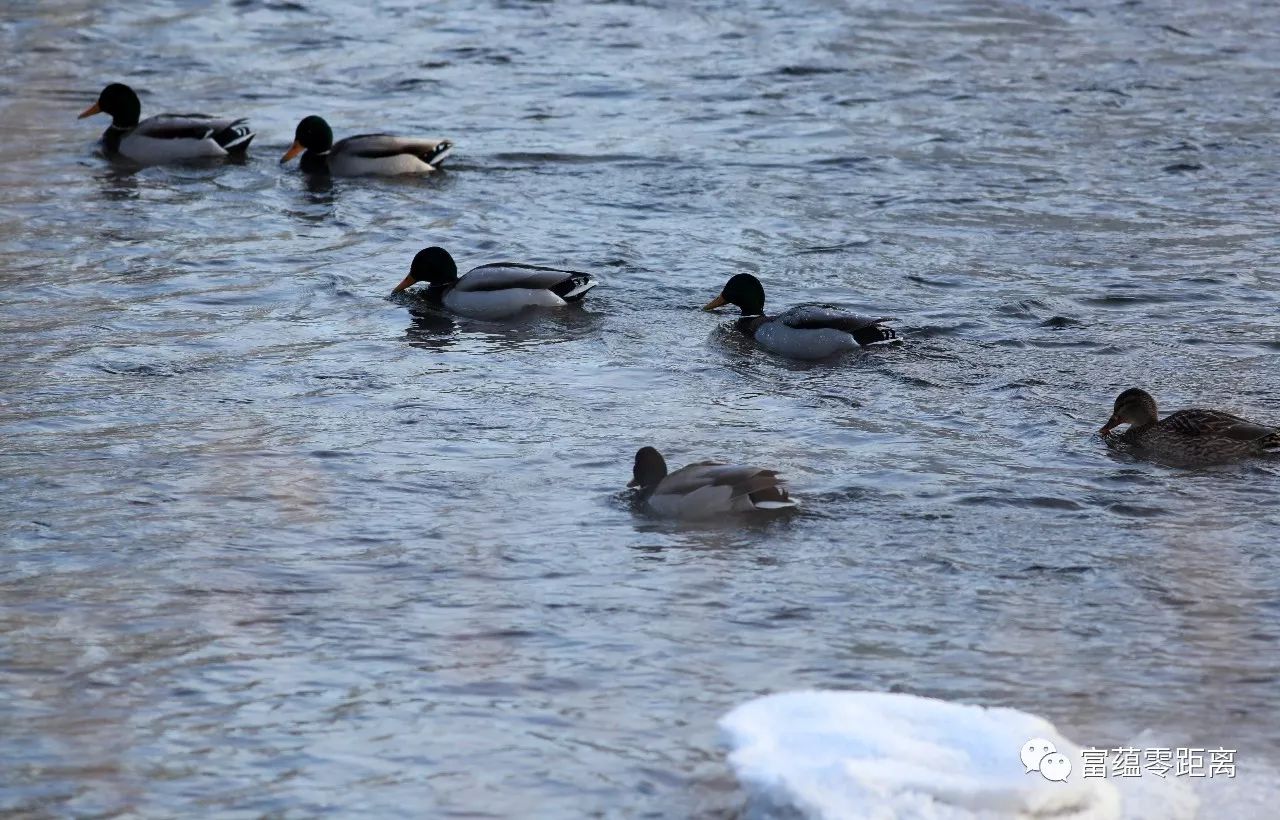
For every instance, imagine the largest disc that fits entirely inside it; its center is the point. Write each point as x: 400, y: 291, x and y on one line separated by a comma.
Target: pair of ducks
x: 1193, y: 437
x: 503, y: 289
x: 183, y: 137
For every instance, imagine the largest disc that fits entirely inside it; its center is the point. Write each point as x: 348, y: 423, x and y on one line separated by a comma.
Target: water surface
x: 274, y: 545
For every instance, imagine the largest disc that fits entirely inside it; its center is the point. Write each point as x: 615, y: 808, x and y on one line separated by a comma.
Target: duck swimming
x: 803, y: 332
x: 494, y: 291
x: 363, y: 154
x: 706, y: 489
x: 164, y: 137
x: 1192, y: 436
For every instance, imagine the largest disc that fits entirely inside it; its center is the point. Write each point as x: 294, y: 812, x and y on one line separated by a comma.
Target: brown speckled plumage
x: 1193, y: 436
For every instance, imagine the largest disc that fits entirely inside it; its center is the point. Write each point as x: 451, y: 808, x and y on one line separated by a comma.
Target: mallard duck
x: 1187, y: 436
x: 803, y: 332
x: 363, y: 154
x: 706, y: 489
x: 493, y: 291
x: 164, y: 137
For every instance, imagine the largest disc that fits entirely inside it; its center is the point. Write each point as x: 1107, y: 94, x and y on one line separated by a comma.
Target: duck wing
x: 739, y: 479
x: 709, y: 488
x: 814, y: 317
x: 505, y: 275
x: 864, y: 329
x: 1216, y: 424
x: 229, y: 132
x: 383, y: 146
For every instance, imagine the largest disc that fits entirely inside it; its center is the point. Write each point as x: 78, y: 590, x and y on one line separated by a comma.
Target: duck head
x: 1133, y: 406
x: 743, y: 290
x: 433, y: 265
x: 312, y: 134
x: 649, y: 470
x: 120, y: 102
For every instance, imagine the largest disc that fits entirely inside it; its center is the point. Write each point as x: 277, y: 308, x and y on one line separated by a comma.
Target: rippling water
x: 274, y: 546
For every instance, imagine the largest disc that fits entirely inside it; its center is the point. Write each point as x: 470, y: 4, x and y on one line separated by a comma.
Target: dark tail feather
x: 773, y: 493
x: 772, y: 498
x: 437, y: 155
x: 574, y: 287
x: 1270, y: 443
x: 765, y: 486
x: 872, y: 334
x: 235, y: 138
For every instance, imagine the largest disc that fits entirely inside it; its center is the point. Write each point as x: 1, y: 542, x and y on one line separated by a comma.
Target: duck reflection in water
x: 432, y: 328
x: 119, y: 183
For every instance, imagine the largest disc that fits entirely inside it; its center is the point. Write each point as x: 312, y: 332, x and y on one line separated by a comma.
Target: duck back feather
x: 708, y: 489
x: 1198, y: 436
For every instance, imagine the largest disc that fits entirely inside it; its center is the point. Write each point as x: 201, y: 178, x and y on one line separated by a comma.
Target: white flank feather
x: 144, y: 149
x: 774, y: 505
x: 498, y: 304
x: 354, y: 166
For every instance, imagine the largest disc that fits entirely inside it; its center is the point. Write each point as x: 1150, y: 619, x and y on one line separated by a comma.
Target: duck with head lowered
x: 1187, y: 437
x: 707, y: 489
x: 165, y: 137
x: 363, y: 154
x: 802, y: 332
x: 494, y: 291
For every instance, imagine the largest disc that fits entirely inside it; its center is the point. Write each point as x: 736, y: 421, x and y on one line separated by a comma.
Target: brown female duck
x: 1191, y: 436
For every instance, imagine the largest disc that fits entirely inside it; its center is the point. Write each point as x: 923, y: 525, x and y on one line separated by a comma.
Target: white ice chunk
x: 881, y: 756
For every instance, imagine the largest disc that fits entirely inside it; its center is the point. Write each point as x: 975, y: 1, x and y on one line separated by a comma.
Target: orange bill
x: 90, y: 111
x: 407, y: 283
x: 714, y: 303
x: 294, y: 150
